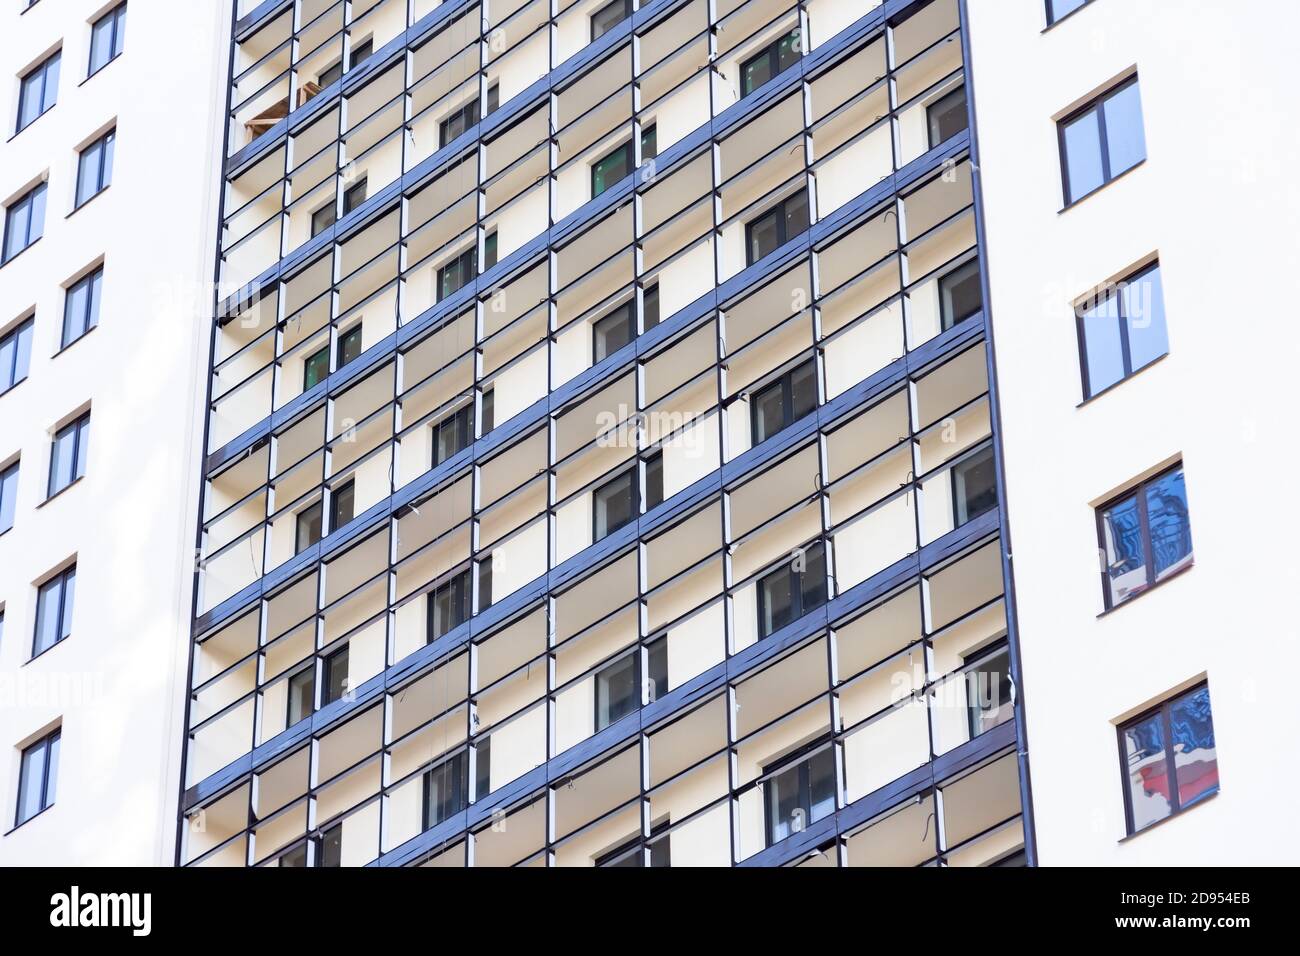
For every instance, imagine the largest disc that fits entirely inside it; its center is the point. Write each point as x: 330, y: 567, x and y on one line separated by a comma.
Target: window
x: 95, y: 168
x: 106, y: 38
x: 54, y: 600
x: 323, y: 218
x: 611, y: 168
x: 611, y: 332
x: 295, y: 858
x: 446, y: 789
x: 777, y: 226
x: 649, y: 142
x: 81, y: 307
x: 974, y: 487
x: 452, y: 435
x: 488, y: 410
x: 618, y: 691
x: 946, y: 116
x: 489, y: 250
x: 493, y: 98
x: 1168, y: 759
x: 1102, y: 140
x: 350, y: 345
x: 302, y: 695
x: 24, y: 221
x: 15, y: 355
x: 609, y: 16
x: 988, y: 689
x: 39, y: 91
x: 336, y: 676
x: 362, y: 52
x: 354, y: 195
x: 783, y: 402
x: 657, y: 656
x: 342, y: 502
x: 960, y: 295
x: 459, y: 121
x: 309, y: 527
x: 792, y: 590
x: 484, y: 584
x: 456, y: 274
x: 1060, y: 9
x: 329, y: 848
x: 632, y: 853
x: 800, y: 795
x: 483, y: 767
x: 775, y: 59
x: 654, y: 480
x: 449, y: 605
x: 1122, y: 330
x: 8, y: 496
x: 316, y: 368
x: 330, y: 75
x: 38, y: 776
x: 650, y: 307
x: 68, y: 454
x: 1145, y: 536
x: 614, y: 504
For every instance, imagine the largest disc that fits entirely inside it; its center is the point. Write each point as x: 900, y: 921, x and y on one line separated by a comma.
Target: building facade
x: 615, y: 433
x: 601, y: 464
x: 106, y: 170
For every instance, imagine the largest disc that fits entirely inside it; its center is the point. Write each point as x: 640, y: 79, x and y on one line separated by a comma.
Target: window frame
x: 779, y: 210
x: 61, y: 580
x: 1115, y: 290
x: 942, y: 101
x: 953, y: 277
x: 772, y: 53
x: 45, y: 743
x: 16, y: 337
x: 1098, y: 104
x: 309, y: 673
x: 54, y: 60
x: 8, y: 494
x: 1053, y: 19
x: 630, y: 475
x: 79, y: 427
x: 116, y: 38
x: 799, y: 760
x: 629, y: 164
x: 466, y: 266
x: 795, y: 581
x: 106, y: 144
x: 38, y: 193
x: 626, y: 312
x: 1162, y: 709
x: 634, y: 661
x: 968, y: 460
x: 1138, y: 493
x: 626, y: 6
x: 784, y: 382
x: 337, y: 495
x: 460, y: 588
x: 93, y: 284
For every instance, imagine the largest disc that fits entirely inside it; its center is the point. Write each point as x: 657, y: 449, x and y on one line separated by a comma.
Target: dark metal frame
x: 42, y: 68
x: 29, y: 199
x: 47, y: 799
x: 1112, y: 291
x: 14, y: 335
x: 59, y: 581
x: 91, y: 317
x: 116, y: 41
x: 1097, y: 104
x: 1138, y: 493
x: 1171, y: 768
x: 104, y: 172
x: 78, y: 430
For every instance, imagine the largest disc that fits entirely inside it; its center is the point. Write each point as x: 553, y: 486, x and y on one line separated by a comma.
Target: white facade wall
x: 116, y: 685
x: 1217, y: 200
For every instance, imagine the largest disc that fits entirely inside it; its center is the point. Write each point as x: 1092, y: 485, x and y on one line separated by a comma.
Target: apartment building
x: 106, y: 167
x: 1139, y: 218
x: 601, y: 460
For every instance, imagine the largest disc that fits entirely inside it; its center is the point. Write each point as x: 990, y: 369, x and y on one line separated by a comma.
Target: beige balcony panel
x: 874, y: 636
x: 902, y: 836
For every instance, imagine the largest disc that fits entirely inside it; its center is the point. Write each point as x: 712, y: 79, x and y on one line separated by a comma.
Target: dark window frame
x: 105, y: 144
x: 955, y: 276
x: 1115, y: 291
x: 632, y: 477
x: 53, y: 61
x: 8, y: 480
x: 1053, y: 18
x: 466, y: 266
x: 309, y: 673
x: 779, y: 212
x: 31, y: 236
x: 1162, y: 710
x: 303, y: 519
x: 337, y: 520
x: 79, y: 429
x: 46, y: 800
x: 634, y: 660
x: 19, y: 340
x: 467, y: 116
x: 623, y: 150
x: 969, y: 460
x: 459, y: 588
x: 339, y: 657
x: 1097, y: 103
x: 785, y: 383
x: 794, y: 580
x: 624, y: 316
x: 772, y: 53
x: 346, y: 339
x: 972, y: 665
x: 460, y: 424
x: 799, y: 760
x: 626, y: 7
x: 1138, y: 493
x: 92, y: 283
x: 942, y: 102
x: 117, y: 37
x: 62, y: 580
x: 456, y: 764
